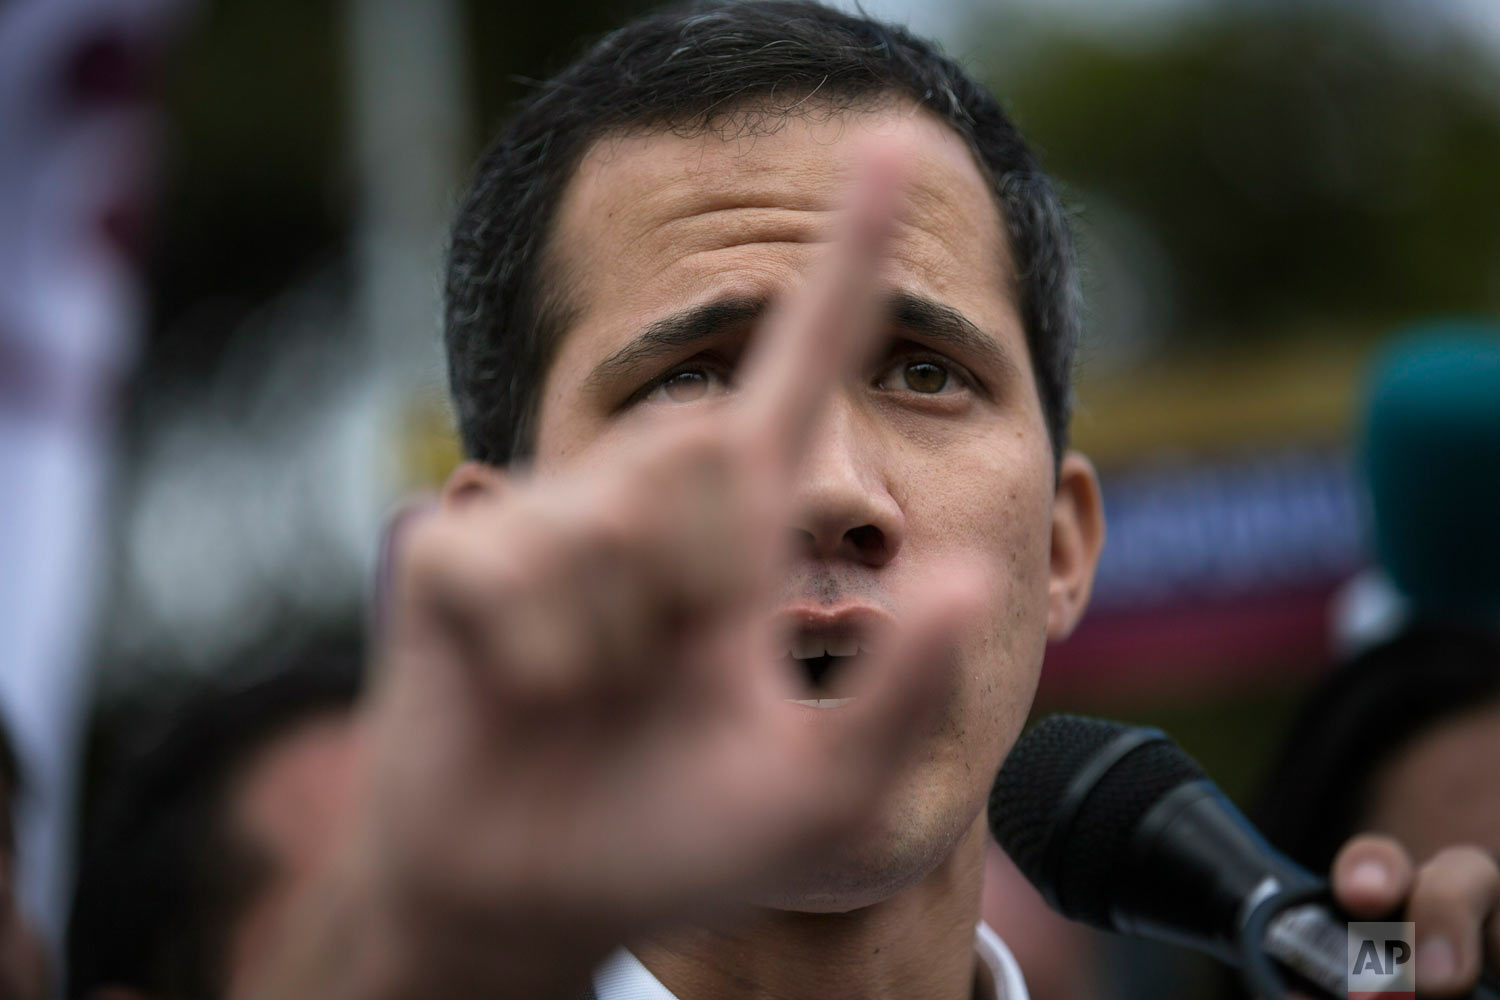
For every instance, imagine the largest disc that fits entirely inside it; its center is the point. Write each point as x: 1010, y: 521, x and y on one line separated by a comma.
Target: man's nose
x: 844, y: 508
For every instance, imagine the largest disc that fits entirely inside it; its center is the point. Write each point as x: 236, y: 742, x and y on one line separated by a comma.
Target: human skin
x: 289, y: 806
x: 1442, y: 788
x: 965, y: 470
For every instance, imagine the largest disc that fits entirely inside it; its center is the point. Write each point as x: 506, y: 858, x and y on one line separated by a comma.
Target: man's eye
x: 686, y: 385
x: 922, y: 375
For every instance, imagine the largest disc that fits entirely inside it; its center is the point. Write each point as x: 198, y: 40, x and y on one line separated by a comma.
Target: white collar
x: 623, y: 977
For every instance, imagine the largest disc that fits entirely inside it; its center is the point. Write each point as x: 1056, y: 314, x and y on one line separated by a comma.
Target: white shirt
x: 623, y: 977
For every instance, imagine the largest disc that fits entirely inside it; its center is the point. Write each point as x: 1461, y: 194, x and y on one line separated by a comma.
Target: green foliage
x: 1296, y: 167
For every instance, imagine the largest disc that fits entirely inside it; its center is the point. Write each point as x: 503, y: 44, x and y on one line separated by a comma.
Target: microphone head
x: 1069, y: 799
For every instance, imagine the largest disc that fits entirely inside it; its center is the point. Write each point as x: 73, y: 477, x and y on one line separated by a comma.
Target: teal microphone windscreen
x: 1431, y: 455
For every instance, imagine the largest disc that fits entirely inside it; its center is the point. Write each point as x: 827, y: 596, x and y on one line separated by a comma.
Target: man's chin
x: 863, y: 874
x: 829, y: 897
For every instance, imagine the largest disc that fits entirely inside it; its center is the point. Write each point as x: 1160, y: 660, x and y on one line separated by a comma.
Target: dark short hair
x: 162, y: 875
x: 689, y: 69
x: 1360, y: 716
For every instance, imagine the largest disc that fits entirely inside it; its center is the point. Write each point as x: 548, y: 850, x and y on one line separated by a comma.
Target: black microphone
x: 1120, y: 829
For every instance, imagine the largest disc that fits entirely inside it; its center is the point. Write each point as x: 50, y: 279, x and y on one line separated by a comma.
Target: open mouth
x: 825, y: 647
x: 825, y: 662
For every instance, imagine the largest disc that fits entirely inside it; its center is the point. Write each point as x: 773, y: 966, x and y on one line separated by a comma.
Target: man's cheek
x: 1001, y: 672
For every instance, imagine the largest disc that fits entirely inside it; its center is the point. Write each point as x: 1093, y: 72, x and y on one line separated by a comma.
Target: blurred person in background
x: 1398, y: 744
x: 204, y: 837
x: 23, y: 967
x: 703, y: 377
x: 1402, y: 740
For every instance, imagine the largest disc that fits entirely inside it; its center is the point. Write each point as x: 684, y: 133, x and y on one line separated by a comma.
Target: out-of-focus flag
x: 78, y: 130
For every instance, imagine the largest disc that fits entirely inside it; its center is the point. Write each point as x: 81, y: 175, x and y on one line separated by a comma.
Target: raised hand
x: 1453, y: 898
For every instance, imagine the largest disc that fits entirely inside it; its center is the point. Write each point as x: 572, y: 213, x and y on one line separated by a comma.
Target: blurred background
x: 1264, y: 192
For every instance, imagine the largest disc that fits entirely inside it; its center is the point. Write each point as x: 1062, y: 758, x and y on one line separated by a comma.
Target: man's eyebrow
x: 665, y: 337
x: 943, y: 325
x: 934, y: 322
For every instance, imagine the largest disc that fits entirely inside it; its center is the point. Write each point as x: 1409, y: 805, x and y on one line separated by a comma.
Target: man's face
x: 937, y: 449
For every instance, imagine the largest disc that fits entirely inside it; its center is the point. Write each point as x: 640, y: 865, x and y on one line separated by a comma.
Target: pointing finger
x: 811, y: 341
x: 1371, y: 875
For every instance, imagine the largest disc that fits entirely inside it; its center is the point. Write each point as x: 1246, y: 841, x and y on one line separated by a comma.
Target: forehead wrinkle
x: 672, y: 178
x: 661, y: 181
x: 740, y: 181
x: 816, y: 193
x: 942, y: 220
x: 914, y: 251
x: 708, y: 212
x: 932, y: 231
x: 931, y: 224
x: 724, y: 228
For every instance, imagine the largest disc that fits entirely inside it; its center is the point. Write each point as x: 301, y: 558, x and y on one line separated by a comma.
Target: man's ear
x: 472, y: 481
x: 1077, y: 537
